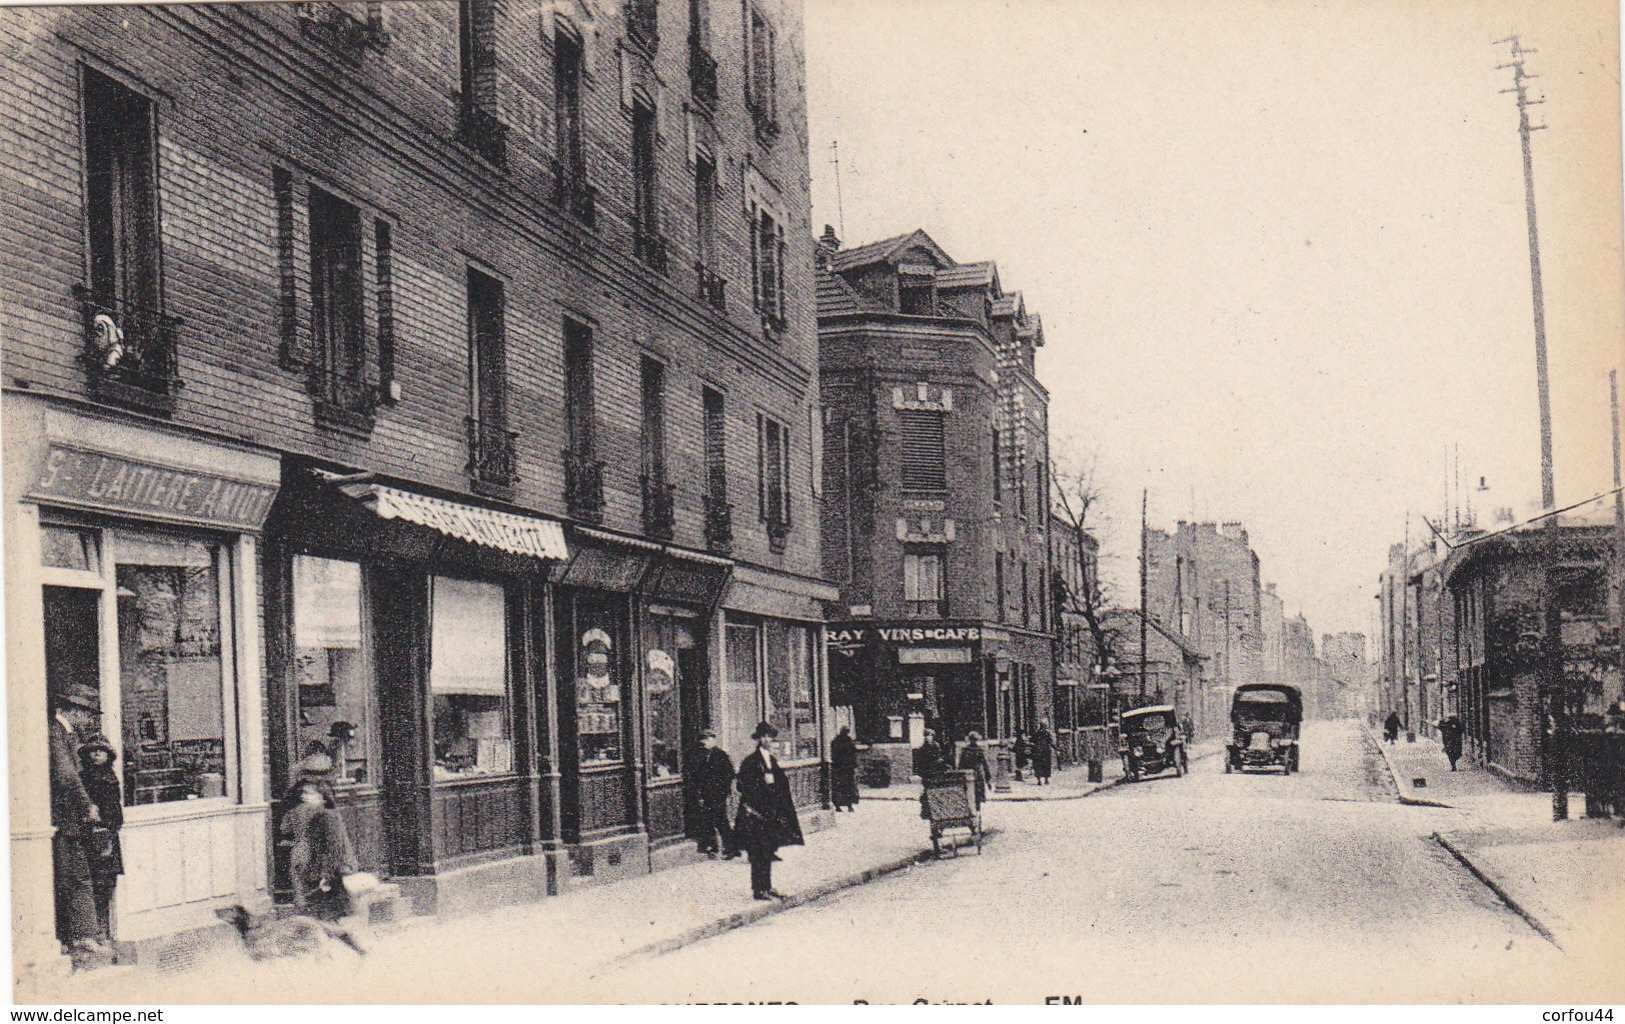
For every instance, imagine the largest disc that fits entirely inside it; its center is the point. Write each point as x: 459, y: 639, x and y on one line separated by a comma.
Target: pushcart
x: 948, y: 802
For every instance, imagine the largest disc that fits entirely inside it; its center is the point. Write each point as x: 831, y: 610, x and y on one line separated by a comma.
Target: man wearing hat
x: 75, y: 707
x: 713, y: 776
x: 767, y: 812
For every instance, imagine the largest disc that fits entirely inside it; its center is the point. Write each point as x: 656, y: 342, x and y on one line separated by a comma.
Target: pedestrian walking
x: 1024, y: 753
x: 1390, y: 727
x: 1043, y: 754
x: 103, y: 850
x: 767, y: 812
x: 74, y: 707
x: 928, y: 760
x: 843, y: 770
x: 713, y: 776
x: 321, y: 854
x: 973, y: 758
x: 1450, y: 730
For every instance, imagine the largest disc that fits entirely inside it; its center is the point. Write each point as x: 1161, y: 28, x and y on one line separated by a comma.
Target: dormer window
x: 916, y: 296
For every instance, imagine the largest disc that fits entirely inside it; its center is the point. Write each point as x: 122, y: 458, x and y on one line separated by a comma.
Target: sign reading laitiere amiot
x: 104, y: 482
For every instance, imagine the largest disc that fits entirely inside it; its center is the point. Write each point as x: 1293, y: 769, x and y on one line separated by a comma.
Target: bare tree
x: 1080, y: 510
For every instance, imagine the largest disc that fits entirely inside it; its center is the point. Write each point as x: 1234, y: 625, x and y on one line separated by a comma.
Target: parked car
x: 1264, y: 719
x: 1150, y: 741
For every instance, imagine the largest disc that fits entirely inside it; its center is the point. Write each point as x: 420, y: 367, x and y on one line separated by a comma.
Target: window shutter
x: 784, y: 474
x: 924, y: 454
x: 761, y: 465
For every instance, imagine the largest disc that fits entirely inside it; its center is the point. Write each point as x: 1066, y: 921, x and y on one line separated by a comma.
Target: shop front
x: 905, y: 677
x: 407, y: 639
x: 132, y: 557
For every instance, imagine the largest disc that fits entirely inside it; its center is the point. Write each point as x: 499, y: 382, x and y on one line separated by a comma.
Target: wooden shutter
x: 924, y: 455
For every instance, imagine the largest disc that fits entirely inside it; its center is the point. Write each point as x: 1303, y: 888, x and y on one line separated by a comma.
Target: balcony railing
x: 492, y: 456
x: 643, y: 23
x: 711, y: 288
x: 480, y: 130
x: 650, y: 247
x: 659, y: 507
x: 702, y: 74
x: 719, y: 525
x: 130, y: 357
x: 583, y: 486
x: 573, y: 195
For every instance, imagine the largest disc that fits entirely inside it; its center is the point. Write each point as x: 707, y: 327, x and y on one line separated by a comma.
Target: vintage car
x: 1264, y: 718
x: 1149, y: 741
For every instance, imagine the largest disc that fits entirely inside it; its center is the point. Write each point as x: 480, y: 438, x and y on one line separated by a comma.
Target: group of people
x: 87, y: 812
x: 1037, y: 752
x: 766, y: 817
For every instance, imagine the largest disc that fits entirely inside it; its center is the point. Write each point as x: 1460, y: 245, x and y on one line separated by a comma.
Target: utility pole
x: 1405, y: 630
x: 840, y: 207
x: 1145, y: 496
x: 1616, y: 592
x: 1557, y: 701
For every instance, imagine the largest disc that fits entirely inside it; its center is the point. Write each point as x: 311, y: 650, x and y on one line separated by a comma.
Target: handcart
x: 948, y: 802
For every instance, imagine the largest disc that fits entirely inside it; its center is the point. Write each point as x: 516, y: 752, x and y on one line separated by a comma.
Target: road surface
x: 1213, y: 888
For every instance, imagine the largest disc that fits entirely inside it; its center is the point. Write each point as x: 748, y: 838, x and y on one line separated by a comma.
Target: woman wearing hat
x: 767, y: 812
x: 103, y: 850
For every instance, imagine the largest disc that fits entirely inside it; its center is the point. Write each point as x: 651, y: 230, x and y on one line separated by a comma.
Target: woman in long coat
x: 1043, y: 754
x: 973, y: 759
x: 103, y: 851
x: 843, y: 768
x: 767, y: 812
x: 321, y: 855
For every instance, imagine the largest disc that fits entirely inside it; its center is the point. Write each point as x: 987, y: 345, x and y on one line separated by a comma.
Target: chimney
x: 828, y: 245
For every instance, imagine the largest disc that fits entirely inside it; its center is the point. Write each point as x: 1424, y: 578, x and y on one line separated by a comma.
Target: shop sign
x: 597, y: 569
x: 104, y: 482
x: 930, y: 634
x: 934, y: 656
x: 698, y: 583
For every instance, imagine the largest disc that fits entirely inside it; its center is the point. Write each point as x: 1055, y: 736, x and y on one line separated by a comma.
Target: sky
x: 1280, y: 248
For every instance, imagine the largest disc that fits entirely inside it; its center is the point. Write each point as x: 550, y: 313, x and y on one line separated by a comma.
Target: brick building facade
x: 431, y: 384
x: 936, y: 509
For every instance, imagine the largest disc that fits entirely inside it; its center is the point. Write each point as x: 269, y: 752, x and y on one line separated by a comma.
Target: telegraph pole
x: 1556, y: 699
x: 1145, y: 496
x: 840, y: 207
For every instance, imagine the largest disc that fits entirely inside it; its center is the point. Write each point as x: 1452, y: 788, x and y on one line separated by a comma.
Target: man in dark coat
x: 767, y: 812
x: 74, y: 707
x: 1043, y: 754
x: 843, y: 770
x: 713, y: 780
x: 974, y: 760
x: 1450, y: 730
x: 1390, y: 727
x: 928, y: 759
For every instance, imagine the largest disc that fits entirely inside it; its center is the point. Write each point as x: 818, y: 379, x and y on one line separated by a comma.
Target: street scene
x: 813, y: 501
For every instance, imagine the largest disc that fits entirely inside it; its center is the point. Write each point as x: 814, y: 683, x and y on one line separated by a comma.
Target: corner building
x: 936, y: 484
x: 433, y: 385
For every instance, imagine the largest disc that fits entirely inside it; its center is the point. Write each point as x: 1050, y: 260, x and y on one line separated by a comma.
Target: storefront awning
x: 505, y: 531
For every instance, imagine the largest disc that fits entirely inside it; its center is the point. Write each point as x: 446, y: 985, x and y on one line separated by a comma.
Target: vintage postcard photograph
x: 1070, y: 502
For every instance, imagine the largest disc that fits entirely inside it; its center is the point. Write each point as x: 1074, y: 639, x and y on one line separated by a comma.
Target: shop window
x: 598, y: 683
x: 468, y: 679
x: 742, y: 688
x: 63, y: 547
x: 330, y: 667
x: 171, y: 673
x: 923, y: 593
x: 668, y: 638
x: 790, y: 705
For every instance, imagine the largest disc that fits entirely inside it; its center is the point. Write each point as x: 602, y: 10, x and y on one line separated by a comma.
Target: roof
x: 969, y: 275
x: 1010, y: 304
x: 835, y: 297
x: 886, y: 250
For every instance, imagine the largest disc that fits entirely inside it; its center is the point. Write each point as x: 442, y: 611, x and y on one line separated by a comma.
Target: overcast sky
x: 1279, y: 248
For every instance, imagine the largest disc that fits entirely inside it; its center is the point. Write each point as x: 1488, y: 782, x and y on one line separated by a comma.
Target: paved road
x: 1315, y: 887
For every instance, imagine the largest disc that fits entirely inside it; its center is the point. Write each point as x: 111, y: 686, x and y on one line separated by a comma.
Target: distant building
x: 1272, y: 613
x: 1173, y: 666
x: 1081, y: 699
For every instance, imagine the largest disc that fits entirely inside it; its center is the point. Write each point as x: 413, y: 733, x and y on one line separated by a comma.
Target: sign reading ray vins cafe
x: 96, y: 480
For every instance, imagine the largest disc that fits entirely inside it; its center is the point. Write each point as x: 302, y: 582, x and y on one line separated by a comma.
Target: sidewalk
x: 495, y: 956
x: 1070, y: 782
x: 1567, y: 878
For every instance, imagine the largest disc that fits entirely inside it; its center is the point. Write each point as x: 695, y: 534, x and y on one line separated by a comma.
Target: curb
x: 1079, y: 795
x: 1493, y: 886
x: 1400, y: 788
x: 722, y: 926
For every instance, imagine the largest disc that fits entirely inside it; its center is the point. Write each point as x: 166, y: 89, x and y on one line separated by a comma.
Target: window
x: 924, y: 462
x: 1026, y: 596
x: 664, y: 659
x: 654, y: 420
x: 923, y: 593
x: 121, y: 179
x: 716, y: 461
x: 742, y: 687
x: 578, y: 383
x: 468, y: 679
x: 998, y: 469
x: 767, y: 260
x: 599, y: 679
x: 383, y: 247
x: 643, y: 23
x: 916, y: 296
x: 790, y: 689
x: 491, y: 449
x: 335, y: 298
x: 773, y: 460
x: 702, y: 67
x: 481, y: 129
x: 998, y: 582
x: 172, y: 676
x: 705, y: 211
x: 651, y: 248
x: 567, y: 108
x: 330, y: 667
x: 760, y: 72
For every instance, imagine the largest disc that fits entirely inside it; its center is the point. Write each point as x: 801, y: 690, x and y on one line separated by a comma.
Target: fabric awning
x: 505, y: 531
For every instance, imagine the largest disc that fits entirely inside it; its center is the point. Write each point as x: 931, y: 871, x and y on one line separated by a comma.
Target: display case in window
x: 598, y: 699
x: 468, y: 680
